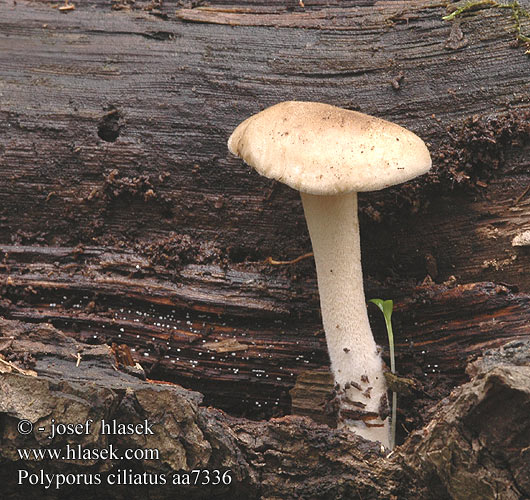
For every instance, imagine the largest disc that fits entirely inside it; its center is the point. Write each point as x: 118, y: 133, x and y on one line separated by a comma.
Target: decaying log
x: 312, y: 395
x: 472, y: 447
x: 438, y: 328
x: 124, y: 220
x: 478, y: 443
x: 114, y: 127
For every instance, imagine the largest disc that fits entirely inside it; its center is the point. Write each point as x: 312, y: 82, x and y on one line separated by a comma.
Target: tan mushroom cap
x: 321, y: 149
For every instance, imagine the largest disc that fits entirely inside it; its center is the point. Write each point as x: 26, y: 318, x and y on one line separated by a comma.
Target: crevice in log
x: 170, y: 329
x: 157, y: 239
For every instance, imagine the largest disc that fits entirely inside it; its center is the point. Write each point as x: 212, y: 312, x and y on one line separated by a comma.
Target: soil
x: 475, y: 151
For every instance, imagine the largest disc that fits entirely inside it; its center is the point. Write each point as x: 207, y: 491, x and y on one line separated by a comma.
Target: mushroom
x: 329, y: 154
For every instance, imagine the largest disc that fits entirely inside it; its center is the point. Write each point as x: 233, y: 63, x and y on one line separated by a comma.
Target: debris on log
x: 475, y: 444
x: 137, y: 275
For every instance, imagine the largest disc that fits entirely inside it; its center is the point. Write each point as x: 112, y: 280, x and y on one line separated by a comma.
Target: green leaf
x: 386, y: 307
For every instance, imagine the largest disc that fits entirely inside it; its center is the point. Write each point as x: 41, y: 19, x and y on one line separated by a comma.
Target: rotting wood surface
x: 124, y: 219
x: 474, y: 447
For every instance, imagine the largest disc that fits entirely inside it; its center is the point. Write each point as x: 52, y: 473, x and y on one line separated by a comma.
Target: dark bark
x: 438, y: 328
x: 123, y: 219
x: 471, y: 448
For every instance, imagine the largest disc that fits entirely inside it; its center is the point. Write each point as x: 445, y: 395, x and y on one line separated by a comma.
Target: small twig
x: 67, y: 6
x: 270, y: 260
x: 78, y: 358
x: 405, y: 429
x: 12, y: 366
x: 470, y: 6
x: 522, y: 195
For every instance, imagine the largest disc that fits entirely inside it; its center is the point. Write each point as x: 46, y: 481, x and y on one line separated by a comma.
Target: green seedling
x: 386, y: 307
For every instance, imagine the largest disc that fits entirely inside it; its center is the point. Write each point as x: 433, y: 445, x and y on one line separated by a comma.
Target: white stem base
x: 334, y: 229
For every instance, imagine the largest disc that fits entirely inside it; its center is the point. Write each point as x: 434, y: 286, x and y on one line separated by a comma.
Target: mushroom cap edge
x: 321, y: 149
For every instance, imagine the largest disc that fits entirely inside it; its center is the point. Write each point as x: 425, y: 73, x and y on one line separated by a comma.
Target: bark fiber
x: 124, y: 220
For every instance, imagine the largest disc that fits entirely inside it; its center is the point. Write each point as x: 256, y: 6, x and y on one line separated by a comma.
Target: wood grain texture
x: 123, y: 216
x: 474, y: 447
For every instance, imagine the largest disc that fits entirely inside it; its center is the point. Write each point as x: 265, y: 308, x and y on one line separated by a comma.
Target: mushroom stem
x: 356, y: 364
